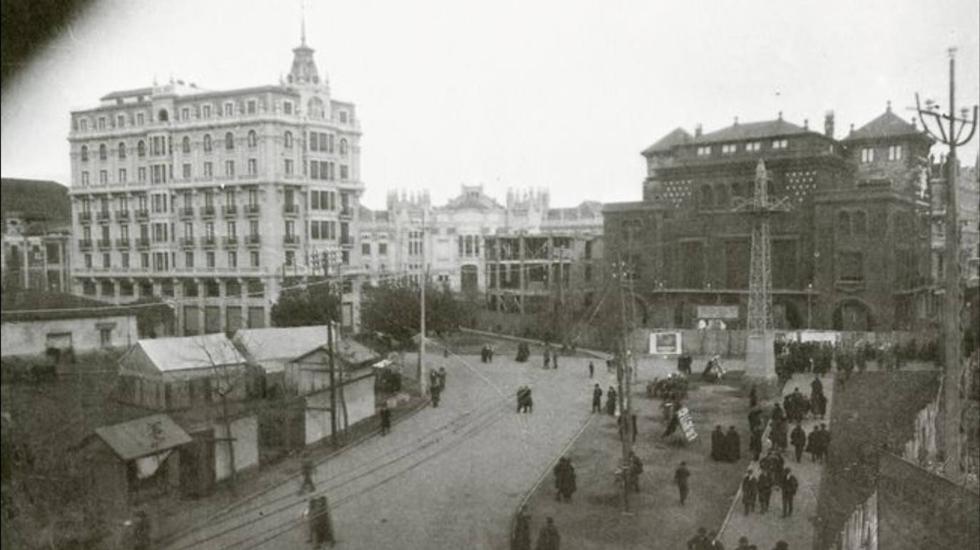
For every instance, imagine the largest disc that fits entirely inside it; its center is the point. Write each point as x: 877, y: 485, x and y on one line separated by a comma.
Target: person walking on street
x: 750, y: 489
x: 548, y: 538
x: 798, y: 440
x: 636, y: 468
x: 547, y: 359
x: 521, y: 539
x: 554, y: 359
x: 764, y: 488
x: 591, y: 369
x: 733, y: 445
x: 321, y: 526
x: 385, y: 419
x: 753, y: 397
x: 681, y: 475
x: 307, y: 471
x: 790, y: 485
x: 597, y: 399
x: 611, y: 401
x: 717, y: 444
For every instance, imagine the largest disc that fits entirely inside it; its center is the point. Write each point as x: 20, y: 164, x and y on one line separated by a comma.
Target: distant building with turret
x: 462, y: 239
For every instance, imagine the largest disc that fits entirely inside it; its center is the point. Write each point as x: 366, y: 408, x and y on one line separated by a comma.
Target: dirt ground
x: 595, y: 518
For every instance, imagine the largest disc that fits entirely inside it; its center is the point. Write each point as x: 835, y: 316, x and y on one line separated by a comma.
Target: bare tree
x: 227, y: 378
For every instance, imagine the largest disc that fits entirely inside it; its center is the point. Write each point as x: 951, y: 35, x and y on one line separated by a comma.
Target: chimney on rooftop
x: 828, y: 124
x: 806, y: 124
x: 736, y: 121
x: 697, y: 130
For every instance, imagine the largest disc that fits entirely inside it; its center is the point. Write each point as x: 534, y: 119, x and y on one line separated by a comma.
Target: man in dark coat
x: 813, y: 444
x: 597, y: 399
x: 753, y: 397
x: 755, y: 418
x: 816, y: 386
x: 681, y: 475
x: 548, y: 538
x: 764, y: 488
x: 591, y: 369
x: 777, y: 414
x: 611, y: 400
x: 798, y: 439
x: 521, y: 538
x: 750, y: 490
x: 564, y: 479
x: 717, y: 444
x: 789, y: 487
x: 733, y: 445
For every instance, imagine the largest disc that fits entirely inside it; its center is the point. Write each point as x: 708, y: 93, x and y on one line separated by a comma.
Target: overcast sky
x: 523, y: 93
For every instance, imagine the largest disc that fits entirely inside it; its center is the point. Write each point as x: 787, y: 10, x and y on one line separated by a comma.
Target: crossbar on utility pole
x: 952, y: 329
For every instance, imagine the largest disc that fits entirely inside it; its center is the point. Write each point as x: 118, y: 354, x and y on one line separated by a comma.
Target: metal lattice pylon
x: 760, y: 207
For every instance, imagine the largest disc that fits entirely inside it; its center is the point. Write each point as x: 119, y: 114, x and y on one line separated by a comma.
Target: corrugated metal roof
x: 191, y: 352
x: 143, y: 436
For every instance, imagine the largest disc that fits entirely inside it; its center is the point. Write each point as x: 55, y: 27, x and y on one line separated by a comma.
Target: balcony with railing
x: 346, y: 240
x: 186, y: 242
x: 231, y: 241
x: 142, y: 243
x: 252, y: 210
x: 187, y: 212
x: 253, y: 240
x: 346, y: 213
x: 122, y: 242
x: 122, y: 215
x: 290, y: 240
x: 103, y: 215
x: 207, y: 211
x: 209, y: 241
x: 290, y: 209
x: 104, y: 244
x: 84, y: 217
x: 85, y: 244
x: 229, y: 210
x: 142, y: 214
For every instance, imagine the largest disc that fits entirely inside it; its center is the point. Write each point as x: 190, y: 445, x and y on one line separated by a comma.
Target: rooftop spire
x: 302, y: 24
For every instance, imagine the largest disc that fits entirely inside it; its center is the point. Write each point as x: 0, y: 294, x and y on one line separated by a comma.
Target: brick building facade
x: 852, y: 253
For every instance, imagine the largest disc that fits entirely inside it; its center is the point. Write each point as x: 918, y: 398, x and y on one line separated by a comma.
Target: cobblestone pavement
x: 764, y: 530
x: 447, y: 477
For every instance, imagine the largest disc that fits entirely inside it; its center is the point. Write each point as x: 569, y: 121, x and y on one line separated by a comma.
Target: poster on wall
x: 665, y: 343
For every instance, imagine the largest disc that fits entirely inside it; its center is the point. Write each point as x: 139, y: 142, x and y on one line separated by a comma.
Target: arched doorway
x: 853, y: 315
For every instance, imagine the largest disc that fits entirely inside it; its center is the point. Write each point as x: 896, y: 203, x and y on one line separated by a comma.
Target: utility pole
x: 623, y: 377
x: 952, y: 136
x: 330, y: 360
x: 420, y: 370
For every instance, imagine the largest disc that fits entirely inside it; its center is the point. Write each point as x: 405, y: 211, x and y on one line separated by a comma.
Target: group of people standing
x: 550, y: 358
x: 486, y: 354
x: 548, y: 537
x: 611, y: 397
x: 726, y: 446
x: 564, y: 479
x: 525, y: 403
x: 759, y: 483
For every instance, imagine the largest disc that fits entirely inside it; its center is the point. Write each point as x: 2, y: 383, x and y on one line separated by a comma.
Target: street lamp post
x: 809, y: 299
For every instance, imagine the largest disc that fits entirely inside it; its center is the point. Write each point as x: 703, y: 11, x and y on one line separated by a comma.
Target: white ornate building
x: 214, y: 199
x: 455, y: 238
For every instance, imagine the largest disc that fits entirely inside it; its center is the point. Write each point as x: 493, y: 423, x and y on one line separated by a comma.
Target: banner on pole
x: 687, y: 424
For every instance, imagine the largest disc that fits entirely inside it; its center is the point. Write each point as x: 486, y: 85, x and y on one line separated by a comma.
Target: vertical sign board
x: 665, y: 343
x: 687, y: 424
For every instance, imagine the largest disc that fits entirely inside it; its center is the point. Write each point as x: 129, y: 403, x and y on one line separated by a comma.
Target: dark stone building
x: 852, y: 253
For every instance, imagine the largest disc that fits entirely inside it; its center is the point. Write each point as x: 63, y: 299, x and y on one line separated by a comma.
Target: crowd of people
x: 823, y: 357
x: 726, y: 446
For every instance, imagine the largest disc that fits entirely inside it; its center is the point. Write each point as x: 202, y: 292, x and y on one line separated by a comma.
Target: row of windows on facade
x: 211, y: 288
x: 163, y: 232
x: 163, y: 173
x: 160, y: 145
x: 165, y: 261
x: 894, y: 152
x: 162, y: 202
x: 749, y: 147
x: 316, y: 109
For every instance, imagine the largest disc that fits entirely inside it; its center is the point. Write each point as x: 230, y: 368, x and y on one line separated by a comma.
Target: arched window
x: 287, y: 140
x: 162, y: 116
x: 207, y: 143
x: 185, y: 144
x: 707, y: 197
x: 343, y: 147
x: 252, y: 138
x: 84, y: 152
x: 229, y: 141
x: 141, y: 149
x: 860, y: 221
x: 121, y: 150
x: 314, y: 108
x: 103, y: 152
x: 843, y: 223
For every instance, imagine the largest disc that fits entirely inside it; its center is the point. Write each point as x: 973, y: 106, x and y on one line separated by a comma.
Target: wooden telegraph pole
x: 420, y: 370
x: 623, y: 377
